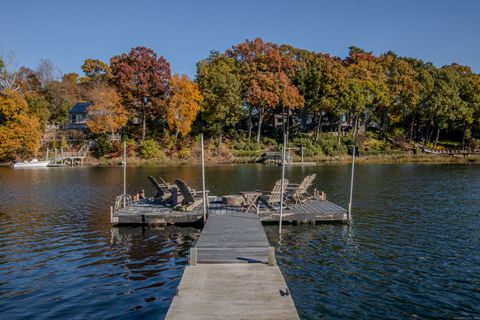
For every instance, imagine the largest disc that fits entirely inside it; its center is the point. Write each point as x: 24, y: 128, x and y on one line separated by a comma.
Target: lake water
x: 412, y: 250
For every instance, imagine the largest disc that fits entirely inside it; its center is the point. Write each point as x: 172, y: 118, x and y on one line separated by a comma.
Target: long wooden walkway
x: 232, y: 274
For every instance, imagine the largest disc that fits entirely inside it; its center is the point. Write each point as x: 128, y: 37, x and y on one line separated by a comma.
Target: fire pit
x: 233, y: 200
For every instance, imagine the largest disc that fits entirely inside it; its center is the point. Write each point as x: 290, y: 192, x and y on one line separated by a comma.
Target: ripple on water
x: 412, y: 251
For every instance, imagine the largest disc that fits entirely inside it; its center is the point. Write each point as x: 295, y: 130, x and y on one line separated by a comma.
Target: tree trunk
x: 339, y: 129
x: 412, y: 125
x: 319, y: 126
x: 260, y: 119
x: 249, y: 122
x: 220, y: 138
x: 436, y: 138
x: 144, y: 125
x: 464, y: 134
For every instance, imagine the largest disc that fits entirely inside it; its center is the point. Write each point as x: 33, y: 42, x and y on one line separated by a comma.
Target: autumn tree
x: 96, y: 72
x: 404, y: 86
x: 320, y: 79
x: 221, y: 87
x: 265, y: 72
x: 183, y: 105
x: 19, y: 132
x: 107, y: 114
x: 142, y: 80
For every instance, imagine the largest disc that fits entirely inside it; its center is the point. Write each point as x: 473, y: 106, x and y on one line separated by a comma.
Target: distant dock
x: 233, y: 274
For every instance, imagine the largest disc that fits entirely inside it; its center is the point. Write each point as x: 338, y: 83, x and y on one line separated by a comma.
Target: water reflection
x: 412, y: 249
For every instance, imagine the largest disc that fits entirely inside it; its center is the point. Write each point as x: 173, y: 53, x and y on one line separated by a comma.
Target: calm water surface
x: 412, y: 251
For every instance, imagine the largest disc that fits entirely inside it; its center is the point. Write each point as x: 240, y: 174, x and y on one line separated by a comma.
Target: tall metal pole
x: 283, y: 184
x: 124, y: 163
x: 203, y: 182
x: 351, y: 186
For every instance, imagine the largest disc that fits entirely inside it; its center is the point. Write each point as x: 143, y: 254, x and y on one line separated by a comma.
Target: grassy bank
x: 385, y: 158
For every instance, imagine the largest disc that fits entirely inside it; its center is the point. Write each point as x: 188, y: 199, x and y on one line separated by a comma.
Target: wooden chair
x: 163, y: 189
x: 298, y: 193
x: 273, y: 198
x: 191, y: 198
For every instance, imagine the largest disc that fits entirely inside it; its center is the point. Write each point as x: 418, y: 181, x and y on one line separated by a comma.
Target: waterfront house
x: 77, y: 116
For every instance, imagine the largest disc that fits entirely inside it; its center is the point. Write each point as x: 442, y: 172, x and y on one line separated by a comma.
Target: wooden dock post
x: 193, y: 256
x: 271, y: 256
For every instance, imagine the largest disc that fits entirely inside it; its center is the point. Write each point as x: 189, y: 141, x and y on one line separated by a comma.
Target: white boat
x: 31, y: 164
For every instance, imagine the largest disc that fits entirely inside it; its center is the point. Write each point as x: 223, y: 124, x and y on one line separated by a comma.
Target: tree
x: 221, y: 87
x: 142, y: 80
x: 8, y: 74
x: 39, y: 107
x: 265, y: 71
x: 107, y: 114
x: 46, y: 72
x: 403, y: 82
x: 183, y: 105
x: 320, y: 79
x: 19, y: 132
x: 96, y: 72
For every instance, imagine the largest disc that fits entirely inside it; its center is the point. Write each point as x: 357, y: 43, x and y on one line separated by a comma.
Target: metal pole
x: 282, y: 185
x: 302, y: 154
x: 55, y: 160
x: 203, y: 182
x: 351, y: 186
x: 124, y: 164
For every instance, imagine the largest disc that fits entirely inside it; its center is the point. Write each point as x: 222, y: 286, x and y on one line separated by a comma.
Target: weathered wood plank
x: 232, y: 291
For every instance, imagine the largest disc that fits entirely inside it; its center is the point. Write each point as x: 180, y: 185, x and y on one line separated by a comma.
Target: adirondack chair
x: 163, y: 189
x: 273, y: 198
x: 191, y: 198
x: 299, y: 192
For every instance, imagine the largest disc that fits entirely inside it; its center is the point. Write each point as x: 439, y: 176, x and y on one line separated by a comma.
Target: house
x: 77, y: 116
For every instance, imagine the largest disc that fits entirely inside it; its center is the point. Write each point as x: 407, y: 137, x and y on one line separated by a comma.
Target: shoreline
x: 377, y: 159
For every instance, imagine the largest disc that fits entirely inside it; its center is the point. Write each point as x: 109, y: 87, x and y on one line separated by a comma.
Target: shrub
x: 149, y: 149
x: 103, y: 146
x: 184, y: 153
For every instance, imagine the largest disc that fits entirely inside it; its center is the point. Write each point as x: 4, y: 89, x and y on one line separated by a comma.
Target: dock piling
x: 193, y: 257
x: 271, y: 256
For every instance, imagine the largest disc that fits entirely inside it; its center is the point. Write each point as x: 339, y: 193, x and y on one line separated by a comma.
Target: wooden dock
x: 147, y: 212
x: 232, y: 274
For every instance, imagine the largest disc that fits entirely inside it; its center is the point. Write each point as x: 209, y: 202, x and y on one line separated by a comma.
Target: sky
x: 184, y: 32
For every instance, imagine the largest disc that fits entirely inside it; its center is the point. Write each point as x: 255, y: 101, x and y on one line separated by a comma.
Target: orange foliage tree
x: 106, y: 115
x: 184, y: 104
x: 20, y: 132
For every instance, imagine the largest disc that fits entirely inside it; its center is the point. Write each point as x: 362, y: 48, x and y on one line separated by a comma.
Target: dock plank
x: 237, y: 237
x: 232, y: 291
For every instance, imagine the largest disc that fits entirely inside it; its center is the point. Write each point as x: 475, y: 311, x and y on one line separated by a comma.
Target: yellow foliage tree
x: 106, y: 115
x: 20, y: 132
x: 184, y: 104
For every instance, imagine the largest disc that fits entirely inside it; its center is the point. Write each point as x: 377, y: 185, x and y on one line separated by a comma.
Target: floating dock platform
x: 148, y: 212
x: 232, y: 274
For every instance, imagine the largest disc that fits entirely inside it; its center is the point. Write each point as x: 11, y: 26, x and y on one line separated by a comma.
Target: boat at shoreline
x: 31, y: 164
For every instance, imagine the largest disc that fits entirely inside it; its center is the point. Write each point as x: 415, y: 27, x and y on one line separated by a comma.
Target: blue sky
x: 68, y: 32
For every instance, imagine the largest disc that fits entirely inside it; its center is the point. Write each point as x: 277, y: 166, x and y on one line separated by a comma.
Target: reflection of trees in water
x: 148, y: 251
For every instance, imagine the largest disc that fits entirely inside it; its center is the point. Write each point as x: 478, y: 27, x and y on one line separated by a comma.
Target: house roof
x: 80, y: 107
